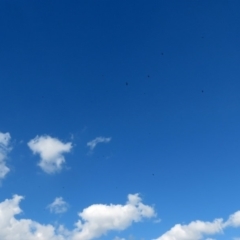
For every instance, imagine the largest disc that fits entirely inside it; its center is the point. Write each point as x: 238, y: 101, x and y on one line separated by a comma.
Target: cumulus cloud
x: 92, y: 144
x: 12, y: 228
x: 234, y: 220
x: 4, y: 149
x: 51, y: 152
x: 196, y: 230
x: 193, y: 231
x: 97, y: 220
x: 58, y: 206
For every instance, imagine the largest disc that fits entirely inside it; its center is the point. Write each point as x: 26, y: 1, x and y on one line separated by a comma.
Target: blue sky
x: 119, y: 120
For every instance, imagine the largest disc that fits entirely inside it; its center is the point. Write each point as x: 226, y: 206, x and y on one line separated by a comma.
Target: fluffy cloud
x: 51, y: 152
x: 196, y: 230
x: 234, y: 220
x: 193, y: 231
x: 92, y: 144
x: 23, y: 229
x: 58, y: 205
x: 4, y: 149
x: 97, y: 220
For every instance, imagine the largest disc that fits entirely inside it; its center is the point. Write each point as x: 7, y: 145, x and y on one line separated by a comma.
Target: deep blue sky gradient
x: 159, y: 77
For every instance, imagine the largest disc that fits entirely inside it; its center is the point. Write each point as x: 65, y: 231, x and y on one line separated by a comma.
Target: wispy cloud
x: 4, y: 149
x: 118, y: 238
x: 58, y: 206
x: 95, y: 221
x: 92, y: 144
x: 51, y: 152
x: 157, y: 220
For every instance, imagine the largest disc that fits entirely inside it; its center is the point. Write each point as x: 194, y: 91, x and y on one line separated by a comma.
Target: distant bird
x: 148, y: 76
x: 202, y: 91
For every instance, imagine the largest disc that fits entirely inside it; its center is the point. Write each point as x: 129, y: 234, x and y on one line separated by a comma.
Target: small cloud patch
x: 58, y: 206
x: 51, y: 152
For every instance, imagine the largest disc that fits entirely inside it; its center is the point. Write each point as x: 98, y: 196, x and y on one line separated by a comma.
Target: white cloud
x: 51, y: 152
x: 196, y: 230
x: 58, y: 205
x: 92, y: 144
x: 23, y: 229
x: 98, y: 220
x: 193, y: 231
x: 234, y: 220
x: 4, y: 149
